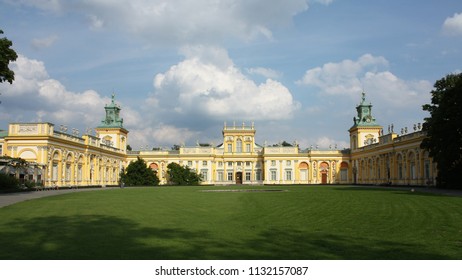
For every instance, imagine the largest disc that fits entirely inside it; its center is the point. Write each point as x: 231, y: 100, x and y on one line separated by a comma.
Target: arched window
x: 154, y: 166
x: 303, y: 166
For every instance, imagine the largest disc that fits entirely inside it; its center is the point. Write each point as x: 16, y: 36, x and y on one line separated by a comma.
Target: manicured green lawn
x: 301, y: 222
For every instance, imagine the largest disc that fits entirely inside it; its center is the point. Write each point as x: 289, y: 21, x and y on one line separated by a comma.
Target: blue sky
x: 180, y: 69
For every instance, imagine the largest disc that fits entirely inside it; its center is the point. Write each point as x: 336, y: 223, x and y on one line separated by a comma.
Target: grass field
x: 298, y: 222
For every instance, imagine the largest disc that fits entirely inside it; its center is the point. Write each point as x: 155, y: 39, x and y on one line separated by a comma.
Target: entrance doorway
x: 324, y: 168
x: 238, y: 178
x: 324, y: 177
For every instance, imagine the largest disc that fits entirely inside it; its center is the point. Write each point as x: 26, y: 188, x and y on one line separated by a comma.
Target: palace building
x: 59, y: 158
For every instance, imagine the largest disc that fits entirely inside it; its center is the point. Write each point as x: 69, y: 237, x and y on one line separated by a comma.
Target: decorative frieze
x: 28, y: 129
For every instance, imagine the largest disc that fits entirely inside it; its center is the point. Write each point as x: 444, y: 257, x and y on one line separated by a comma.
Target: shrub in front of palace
x: 8, y: 182
x: 182, y: 175
x: 138, y: 173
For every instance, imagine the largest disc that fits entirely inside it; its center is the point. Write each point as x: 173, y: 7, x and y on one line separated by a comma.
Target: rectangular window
x: 400, y: 171
x: 204, y: 163
x: 248, y: 176
x: 247, y: 148
x: 344, y: 174
x: 239, y: 163
x: 288, y: 175
x: 189, y: 163
x: 230, y: 148
x: 1, y: 150
x: 54, y: 175
x: 68, y: 172
x: 239, y: 146
x: 427, y: 169
x: 258, y: 175
x: 220, y: 176
x: 413, y: 173
x: 288, y: 163
x: 204, y: 175
x: 230, y: 164
x: 248, y: 164
x: 79, y: 173
x: 220, y: 164
x: 273, y: 175
x: 273, y: 163
x: 230, y: 176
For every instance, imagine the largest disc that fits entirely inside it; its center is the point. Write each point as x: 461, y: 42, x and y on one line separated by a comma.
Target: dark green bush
x: 8, y: 182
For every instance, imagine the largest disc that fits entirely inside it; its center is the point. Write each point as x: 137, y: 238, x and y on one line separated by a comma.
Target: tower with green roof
x: 365, y: 130
x: 111, y: 130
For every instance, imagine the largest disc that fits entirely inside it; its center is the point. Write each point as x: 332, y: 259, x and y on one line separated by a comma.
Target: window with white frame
x: 288, y: 162
x: 204, y: 163
x: 239, y: 146
x: 54, y: 172
x: 230, y: 148
x: 220, y: 176
x: 204, y: 174
x: 248, y: 176
x: 189, y: 163
x: 248, y: 164
x: 412, y: 170
x: 230, y: 164
x: 220, y: 164
x: 343, y: 174
x: 427, y: 169
x: 68, y: 172
x: 79, y: 173
x: 273, y: 175
x: 247, y: 148
x: 288, y: 175
x: 230, y: 176
x: 258, y: 175
x: 273, y: 163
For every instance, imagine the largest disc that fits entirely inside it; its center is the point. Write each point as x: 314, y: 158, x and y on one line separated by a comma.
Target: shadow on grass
x: 107, y: 237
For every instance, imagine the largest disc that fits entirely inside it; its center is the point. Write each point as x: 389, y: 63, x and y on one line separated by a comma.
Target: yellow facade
x: 64, y: 159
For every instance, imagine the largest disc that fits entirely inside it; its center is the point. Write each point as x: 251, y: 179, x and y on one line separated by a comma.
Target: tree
x: 7, y: 54
x: 182, y: 175
x: 138, y: 173
x: 444, y: 129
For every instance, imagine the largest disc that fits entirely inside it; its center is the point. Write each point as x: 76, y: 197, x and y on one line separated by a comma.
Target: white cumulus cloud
x: 34, y: 96
x: 265, y: 72
x: 178, y: 21
x: 369, y: 73
x: 208, y: 84
x: 453, y: 25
